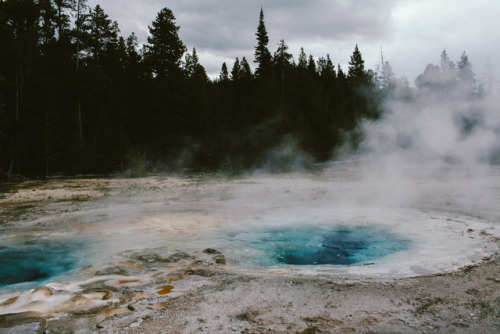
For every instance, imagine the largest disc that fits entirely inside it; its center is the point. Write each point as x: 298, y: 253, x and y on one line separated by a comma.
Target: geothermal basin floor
x: 158, y: 260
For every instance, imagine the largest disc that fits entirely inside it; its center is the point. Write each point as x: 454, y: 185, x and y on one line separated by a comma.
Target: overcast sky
x: 411, y: 33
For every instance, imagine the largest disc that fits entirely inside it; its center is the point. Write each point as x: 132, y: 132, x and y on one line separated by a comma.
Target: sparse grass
x: 31, y: 184
x: 428, y: 305
x: 489, y: 309
x: 14, y: 212
x: 76, y: 198
x: 76, y: 185
x: 249, y: 316
x: 20, y: 209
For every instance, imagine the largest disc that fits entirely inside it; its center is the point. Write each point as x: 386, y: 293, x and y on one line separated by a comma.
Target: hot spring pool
x: 28, y: 262
x: 32, y: 261
x: 334, y: 245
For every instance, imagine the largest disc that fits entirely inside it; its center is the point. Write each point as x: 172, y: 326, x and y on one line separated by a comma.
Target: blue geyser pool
x: 337, y: 245
x: 34, y: 260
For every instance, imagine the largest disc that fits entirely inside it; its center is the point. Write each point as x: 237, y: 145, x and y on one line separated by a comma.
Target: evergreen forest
x: 78, y: 98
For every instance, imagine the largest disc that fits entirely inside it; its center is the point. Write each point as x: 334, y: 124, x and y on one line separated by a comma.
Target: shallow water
x: 32, y: 261
x: 337, y: 245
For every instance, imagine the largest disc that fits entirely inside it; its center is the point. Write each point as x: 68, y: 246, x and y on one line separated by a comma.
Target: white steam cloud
x: 434, y: 147
x: 420, y: 131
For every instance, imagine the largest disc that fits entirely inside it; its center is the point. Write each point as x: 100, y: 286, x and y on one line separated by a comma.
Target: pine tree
x: 431, y: 78
x: 224, y: 74
x: 235, y: 72
x: 245, y: 70
x: 465, y: 74
x: 311, y: 66
x: 62, y: 19
x: 165, y: 48
x: 325, y: 67
x: 81, y: 16
x: 262, y: 54
x: 302, y: 59
x: 100, y: 32
x: 340, y: 73
x: 47, y: 20
x: 193, y: 68
x: 361, y: 89
x: 281, y: 56
x: 449, y: 73
x: 446, y: 64
x: 388, y: 77
x: 282, y: 64
x: 131, y: 47
x: 190, y: 63
x: 356, y: 74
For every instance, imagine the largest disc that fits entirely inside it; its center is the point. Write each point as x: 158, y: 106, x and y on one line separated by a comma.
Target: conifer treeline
x: 75, y: 97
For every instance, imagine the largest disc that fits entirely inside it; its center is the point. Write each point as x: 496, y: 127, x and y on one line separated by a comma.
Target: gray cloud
x: 234, y: 23
x: 226, y: 28
x: 412, y: 32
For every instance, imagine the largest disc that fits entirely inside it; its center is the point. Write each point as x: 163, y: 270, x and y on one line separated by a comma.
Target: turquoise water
x: 30, y: 261
x: 33, y: 260
x: 339, y: 245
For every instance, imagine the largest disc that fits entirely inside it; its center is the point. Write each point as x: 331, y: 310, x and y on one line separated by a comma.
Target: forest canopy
x: 78, y: 98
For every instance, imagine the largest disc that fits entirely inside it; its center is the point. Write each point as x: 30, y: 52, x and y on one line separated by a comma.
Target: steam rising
x: 441, y: 138
x: 431, y: 129
x: 424, y: 171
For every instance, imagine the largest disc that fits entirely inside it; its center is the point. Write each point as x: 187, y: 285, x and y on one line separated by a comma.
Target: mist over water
x: 444, y: 133
x: 423, y: 183
x: 436, y: 132
x: 427, y: 166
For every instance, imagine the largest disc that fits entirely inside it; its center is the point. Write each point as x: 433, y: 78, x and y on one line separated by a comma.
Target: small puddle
x: 172, y: 279
x: 163, y: 290
x: 122, y: 282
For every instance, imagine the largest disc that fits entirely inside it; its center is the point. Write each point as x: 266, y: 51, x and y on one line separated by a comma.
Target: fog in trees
x: 78, y: 98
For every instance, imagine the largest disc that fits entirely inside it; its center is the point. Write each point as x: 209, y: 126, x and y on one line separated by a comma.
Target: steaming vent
x: 340, y: 245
